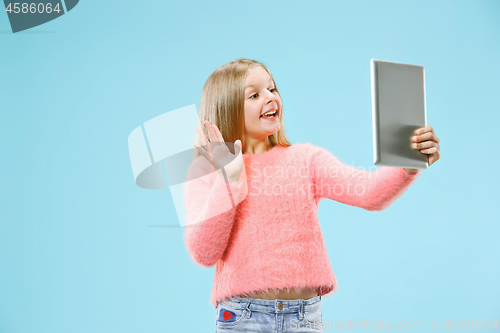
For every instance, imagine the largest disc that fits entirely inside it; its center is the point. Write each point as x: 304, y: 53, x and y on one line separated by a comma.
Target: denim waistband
x: 275, y: 305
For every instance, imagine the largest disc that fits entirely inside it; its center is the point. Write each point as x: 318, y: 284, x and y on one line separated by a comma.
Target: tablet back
x: 398, y: 108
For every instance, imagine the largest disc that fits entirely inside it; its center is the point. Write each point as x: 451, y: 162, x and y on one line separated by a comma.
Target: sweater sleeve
x: 371, y: 190
x: 210, y: 211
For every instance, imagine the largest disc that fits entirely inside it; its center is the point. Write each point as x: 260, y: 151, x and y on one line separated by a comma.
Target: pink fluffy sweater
x: 262, y: 232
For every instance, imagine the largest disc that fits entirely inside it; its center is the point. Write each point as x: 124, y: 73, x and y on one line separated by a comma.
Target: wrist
x: 411, y: 171
x: 229, y: 177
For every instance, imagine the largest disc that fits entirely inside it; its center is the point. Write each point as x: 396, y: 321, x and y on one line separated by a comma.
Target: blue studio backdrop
x: 84, y: 249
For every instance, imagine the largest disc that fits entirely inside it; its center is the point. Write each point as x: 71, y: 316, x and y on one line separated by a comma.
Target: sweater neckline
x: 264, y: 153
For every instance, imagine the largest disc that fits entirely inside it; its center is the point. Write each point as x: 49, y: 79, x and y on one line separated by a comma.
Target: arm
x: 210, y: 211
x: 373, y: 191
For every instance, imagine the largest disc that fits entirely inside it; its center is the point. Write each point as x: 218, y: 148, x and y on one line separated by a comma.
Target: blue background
x: 84, y: 249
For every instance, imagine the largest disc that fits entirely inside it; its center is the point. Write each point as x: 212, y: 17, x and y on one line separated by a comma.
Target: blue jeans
x: 276, y: 316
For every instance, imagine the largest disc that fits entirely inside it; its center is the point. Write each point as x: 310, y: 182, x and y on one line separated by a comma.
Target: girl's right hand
x: 219, y: 155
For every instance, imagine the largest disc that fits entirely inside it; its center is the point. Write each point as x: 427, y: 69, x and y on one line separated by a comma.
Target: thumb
x: 238, y: 142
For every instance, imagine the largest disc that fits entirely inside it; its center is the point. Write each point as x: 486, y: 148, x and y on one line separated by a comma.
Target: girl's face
x: 261, y: 97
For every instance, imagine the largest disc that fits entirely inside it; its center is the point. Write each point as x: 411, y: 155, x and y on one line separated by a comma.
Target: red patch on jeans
x: 227, y: 315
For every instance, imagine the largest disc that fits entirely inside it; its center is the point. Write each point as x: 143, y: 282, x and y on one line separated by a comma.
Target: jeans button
x: 280, y: 306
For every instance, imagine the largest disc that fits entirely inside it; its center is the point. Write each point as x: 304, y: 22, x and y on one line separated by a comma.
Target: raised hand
x: 219, y: 155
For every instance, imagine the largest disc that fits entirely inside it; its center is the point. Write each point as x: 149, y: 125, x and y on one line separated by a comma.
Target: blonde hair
x: 223, y: 100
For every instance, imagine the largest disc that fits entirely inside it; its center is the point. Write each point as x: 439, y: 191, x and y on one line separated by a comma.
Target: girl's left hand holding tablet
x: 427, y: 142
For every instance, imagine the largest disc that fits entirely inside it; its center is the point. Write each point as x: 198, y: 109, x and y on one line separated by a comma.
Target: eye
x: 253, y: 96
x: 272, y: 90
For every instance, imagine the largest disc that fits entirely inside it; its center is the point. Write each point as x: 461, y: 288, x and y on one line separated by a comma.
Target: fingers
x: 426, y: 133
x: 431, y: 150
x: 203, y: 152
x: 422, y: 130
x: 426, y: 140
x: 215, y: 138
x: 214, y: 133
x: 211, y: 131
x: 427, y: 136
x: 204, y: 140
x: 426, y: 144
x: 218, y: 134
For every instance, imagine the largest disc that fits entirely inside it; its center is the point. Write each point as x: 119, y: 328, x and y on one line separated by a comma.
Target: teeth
x: 269, y: 113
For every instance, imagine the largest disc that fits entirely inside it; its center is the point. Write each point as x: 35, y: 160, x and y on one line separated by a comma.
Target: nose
x: 270, y: 97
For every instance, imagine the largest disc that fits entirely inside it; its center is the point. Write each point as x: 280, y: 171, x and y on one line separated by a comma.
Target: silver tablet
x: 398, y: 108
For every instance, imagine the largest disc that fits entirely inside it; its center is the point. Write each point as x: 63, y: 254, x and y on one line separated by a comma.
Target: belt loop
x: 301, y: 309
x: 247, y: 309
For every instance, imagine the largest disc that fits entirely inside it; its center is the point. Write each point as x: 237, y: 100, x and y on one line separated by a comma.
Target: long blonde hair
x: 223, y: 100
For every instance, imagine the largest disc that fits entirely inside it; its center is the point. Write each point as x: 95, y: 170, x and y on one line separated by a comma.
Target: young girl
x: 256, y: 217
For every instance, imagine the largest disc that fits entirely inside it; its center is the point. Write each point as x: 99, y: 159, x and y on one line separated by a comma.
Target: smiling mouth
x: 270, y: 115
